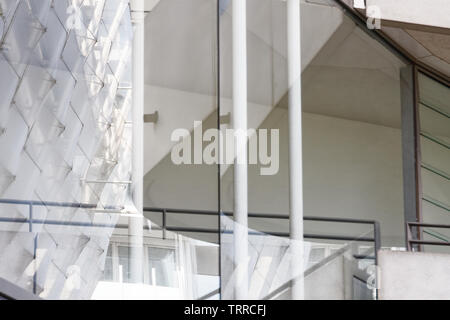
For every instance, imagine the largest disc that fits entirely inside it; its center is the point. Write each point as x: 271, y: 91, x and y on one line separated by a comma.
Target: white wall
x: 414, y: 275
x: 332, y: 281
x: 351, y: 169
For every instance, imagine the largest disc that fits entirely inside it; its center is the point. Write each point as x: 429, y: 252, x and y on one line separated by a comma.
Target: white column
x: 295, y: 147
x: 135, y: 227
x: 239, y: 119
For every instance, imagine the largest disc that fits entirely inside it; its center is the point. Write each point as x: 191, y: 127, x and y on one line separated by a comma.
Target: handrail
x: 164, y: 211
x: 32, y: 221
x: 210, y: 294
x: 376, y: 239
x: 411, y: 240
x: 43, y: 203
x: 257, y: 215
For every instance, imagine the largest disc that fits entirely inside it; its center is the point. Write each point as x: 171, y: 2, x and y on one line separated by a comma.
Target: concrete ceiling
x: 432, y: 49
x: 420, y: 28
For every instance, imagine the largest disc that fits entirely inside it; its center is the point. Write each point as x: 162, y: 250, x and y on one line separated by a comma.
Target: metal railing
x: 376, y: 239
x: 411, y: 240
x: 31, y: 221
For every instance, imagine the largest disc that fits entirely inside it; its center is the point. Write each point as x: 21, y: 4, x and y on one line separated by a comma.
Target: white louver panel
x: 65, y: 103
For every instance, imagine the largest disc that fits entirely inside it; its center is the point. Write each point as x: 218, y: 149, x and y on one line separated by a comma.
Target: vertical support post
x: 295, y: 147
x: 377, y: 239
x: 239, y: 119
x: 135, y: 227
x: 30, y: 229
x: 410, y: 151
x: 219, y: 176
x: 408, y: 237
x: 164, y: 223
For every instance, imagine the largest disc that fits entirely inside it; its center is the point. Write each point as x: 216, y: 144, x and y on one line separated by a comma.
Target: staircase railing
x: 414, y: 241
x: 32, y: 221
x: 375, y: 239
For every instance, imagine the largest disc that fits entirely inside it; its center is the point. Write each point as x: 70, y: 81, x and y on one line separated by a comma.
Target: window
x: 161, y: 266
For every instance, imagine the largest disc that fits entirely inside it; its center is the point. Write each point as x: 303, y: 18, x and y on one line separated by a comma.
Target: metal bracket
x: 151, y: 118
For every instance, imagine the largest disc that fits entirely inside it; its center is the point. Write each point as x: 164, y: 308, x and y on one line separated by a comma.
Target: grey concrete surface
x: 414, y: 275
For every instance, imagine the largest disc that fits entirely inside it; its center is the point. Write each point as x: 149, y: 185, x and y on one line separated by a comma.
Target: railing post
x: 408, y: 236
x: 30, y: 218
x: 164, y: 223
x: 30, y: 229
x: 377, y: 247
x: 377, y: 239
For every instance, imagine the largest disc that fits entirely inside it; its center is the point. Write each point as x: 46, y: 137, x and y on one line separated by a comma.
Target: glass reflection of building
x: 375, y: 149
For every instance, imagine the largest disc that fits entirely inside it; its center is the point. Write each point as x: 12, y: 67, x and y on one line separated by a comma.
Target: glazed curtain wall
x: 434, y: 112
x: 351, y: 130
x: 65, y: 138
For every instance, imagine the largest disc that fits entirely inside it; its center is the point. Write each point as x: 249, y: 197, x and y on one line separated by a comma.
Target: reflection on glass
x: 434, y: 115
x: 124, y: 264
x: 108, y: 273
x: 161, y: 265
x: 352, y: 145
x: 327, y: 272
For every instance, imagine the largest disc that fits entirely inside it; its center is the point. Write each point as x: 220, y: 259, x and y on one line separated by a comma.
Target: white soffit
x: 419, y: 27
x: 432, y: 13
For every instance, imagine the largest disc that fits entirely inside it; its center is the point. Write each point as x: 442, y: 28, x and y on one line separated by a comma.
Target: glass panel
x: 434, y: 123
x: 69, y: 226
x: 8, y: 84
x: 436, y: 187
x: 435, y: 156
x: 8, y: 8
x: 124, y: 264
x: 35, y: 85
x: 352, y: 146
x: 161, y: 263
x: 108, y: 274
x: 329, y: 268
x: 65, y: 133
x: 434, y: 94
x: 24, y: 33
x: 181, y: 86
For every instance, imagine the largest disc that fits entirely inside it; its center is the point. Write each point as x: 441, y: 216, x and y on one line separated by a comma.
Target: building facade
x: 224, y: 149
